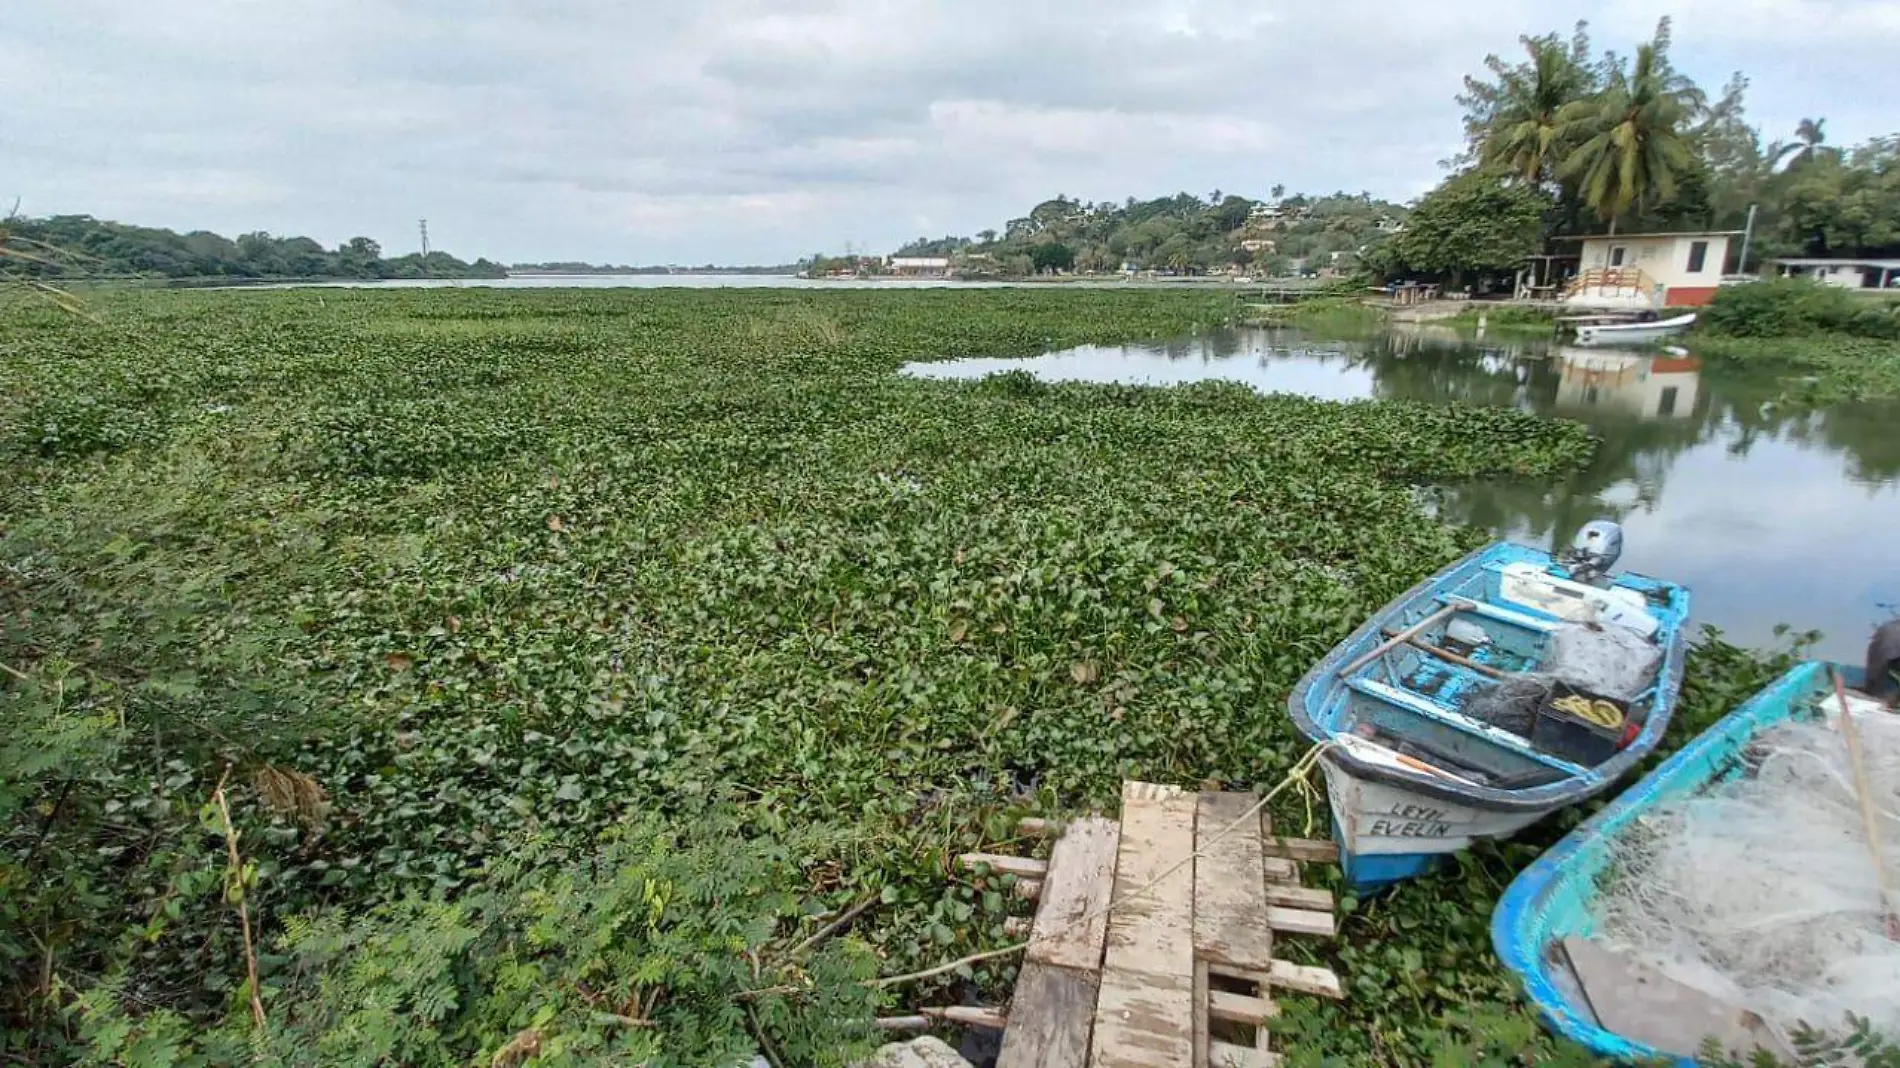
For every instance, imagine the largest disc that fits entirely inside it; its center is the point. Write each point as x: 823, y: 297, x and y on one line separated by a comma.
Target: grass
x: 501, y: 568
x: 1814, y: 368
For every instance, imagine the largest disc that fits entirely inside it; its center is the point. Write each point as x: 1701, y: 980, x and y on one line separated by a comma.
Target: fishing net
x: 1763, y: 891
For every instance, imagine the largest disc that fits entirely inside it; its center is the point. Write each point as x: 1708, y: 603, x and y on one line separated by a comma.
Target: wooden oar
x: 1865, y: 795
x: 1400, y: 638
x: 1448, y: 656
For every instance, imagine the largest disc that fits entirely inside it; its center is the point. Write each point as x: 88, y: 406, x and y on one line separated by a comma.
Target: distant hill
x: 98, y: 248
x: 1182, y: 232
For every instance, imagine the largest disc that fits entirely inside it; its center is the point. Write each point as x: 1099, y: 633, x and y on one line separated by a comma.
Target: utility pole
x: 424, y: 224
x: 1748, y: 234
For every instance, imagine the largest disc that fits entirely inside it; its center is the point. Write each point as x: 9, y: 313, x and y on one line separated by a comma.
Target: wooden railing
x: 1618, y: 279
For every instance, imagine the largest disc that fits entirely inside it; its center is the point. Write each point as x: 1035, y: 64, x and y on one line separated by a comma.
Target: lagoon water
x: 1771, y: 514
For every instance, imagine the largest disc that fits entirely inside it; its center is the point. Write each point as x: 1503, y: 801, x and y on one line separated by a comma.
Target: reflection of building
x: 1644, y: 271
x: 1655, y: 387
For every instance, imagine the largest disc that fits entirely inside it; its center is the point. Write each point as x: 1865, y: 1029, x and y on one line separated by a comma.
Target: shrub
x: 1785, y: 307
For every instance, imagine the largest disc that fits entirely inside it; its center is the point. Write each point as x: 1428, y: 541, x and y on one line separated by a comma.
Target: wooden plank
x: 1050, y: 1018
x: 1301, y: 921
x: 1286, y: 975
x: 1228, y: 1055
x: 1240, y: 1008
x: 1304, y: 979
x: 1004, y: 864
x: 1300, y: 897
x: 1203, y: 1014
x: 1231, y: 922
x: 1144, y: 1012
x: 1302, y: 849
x: 1642, y: 1003
x: 1072, y: 920
x: 1038, y: 827
x: 1279, y: 870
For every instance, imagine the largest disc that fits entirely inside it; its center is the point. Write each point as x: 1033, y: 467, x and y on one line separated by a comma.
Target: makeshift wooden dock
x: 1153, y: 940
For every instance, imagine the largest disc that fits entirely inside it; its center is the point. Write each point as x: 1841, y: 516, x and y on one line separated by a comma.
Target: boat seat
x: 1502, y: 615
x: 1503, y: 739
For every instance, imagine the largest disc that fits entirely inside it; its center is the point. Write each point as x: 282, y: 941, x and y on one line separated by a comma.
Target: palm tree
x: 1525, y: 129
x: 1809, y: 136
x: 1630, y: 139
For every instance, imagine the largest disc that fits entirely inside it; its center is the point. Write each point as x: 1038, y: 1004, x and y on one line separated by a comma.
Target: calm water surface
x: 1771, y: 515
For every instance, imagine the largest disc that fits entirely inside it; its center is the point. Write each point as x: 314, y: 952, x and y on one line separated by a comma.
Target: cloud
x: 759, y: 130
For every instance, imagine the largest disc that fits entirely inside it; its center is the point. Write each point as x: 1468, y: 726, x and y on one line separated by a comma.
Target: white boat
x: 1633, y: 333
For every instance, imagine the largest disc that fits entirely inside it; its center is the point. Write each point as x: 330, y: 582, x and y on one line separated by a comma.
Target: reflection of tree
x: 1634, y: 453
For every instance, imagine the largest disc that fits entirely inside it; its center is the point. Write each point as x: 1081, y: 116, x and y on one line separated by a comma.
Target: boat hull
x: 1633, y: 333
x: 1552, y: 898
x: 1388, y: 832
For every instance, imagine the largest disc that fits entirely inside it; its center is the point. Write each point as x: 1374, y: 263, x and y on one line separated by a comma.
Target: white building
x: 1638, y: 271
x: 921, y: 266
x: 1848, y: 274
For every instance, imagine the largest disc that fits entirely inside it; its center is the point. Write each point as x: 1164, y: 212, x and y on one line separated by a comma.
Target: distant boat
x: 1415, y: 772
x: 1551, y: 904
x: 1633, y: 333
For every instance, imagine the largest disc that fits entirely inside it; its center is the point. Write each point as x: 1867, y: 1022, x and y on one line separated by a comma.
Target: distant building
x: 921, y: 266
x: 1386, y: 224
x: 1259, y: 244
x: 1638, y: 271
x: 1846, y: 273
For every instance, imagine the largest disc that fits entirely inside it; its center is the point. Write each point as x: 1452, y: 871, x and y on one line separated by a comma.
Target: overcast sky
x: 652, y: 131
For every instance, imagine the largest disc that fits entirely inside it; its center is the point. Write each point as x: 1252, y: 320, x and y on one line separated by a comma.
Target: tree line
x: 1566, y: 141
x: 80, y: 246
x: 1183, y: 233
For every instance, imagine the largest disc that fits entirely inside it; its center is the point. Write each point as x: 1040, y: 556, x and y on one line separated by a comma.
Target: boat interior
x: 1406, y: 699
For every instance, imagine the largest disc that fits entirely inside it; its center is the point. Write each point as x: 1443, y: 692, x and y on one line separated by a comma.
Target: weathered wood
x: 1299, y: 897
x: 1279, y: 870
x: 1304, y: 979
x: 1203, y: 1013
x: 1398, y: 639
x: 1228, y: 1055
x: 968, y: 1015
x: 903, y: 1023
x: 1038, y: 827
x: 1050, y: 1018
x: 1647, y: 1005
x: 1307, y: 850
x: 1231, y: 920
x: 1072, y: 920
x: 1145, y: 1009
x: 1301, y: 921
x: 1240, y: 1008
x: 1004, y: 864
x: 1286, y: 975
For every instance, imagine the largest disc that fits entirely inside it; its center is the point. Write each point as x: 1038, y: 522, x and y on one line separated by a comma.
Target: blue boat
x: 1414, y: 772
x: 1552, y: 899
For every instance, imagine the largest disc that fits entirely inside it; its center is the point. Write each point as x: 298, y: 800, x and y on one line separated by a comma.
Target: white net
x: 1763, y: 891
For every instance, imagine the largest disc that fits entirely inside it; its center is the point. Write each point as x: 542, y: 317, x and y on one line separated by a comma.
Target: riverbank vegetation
x: 1832, y: 343
x: 433, y: 596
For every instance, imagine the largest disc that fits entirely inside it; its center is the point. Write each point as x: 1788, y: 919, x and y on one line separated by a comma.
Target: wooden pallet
x: 1152, y: 945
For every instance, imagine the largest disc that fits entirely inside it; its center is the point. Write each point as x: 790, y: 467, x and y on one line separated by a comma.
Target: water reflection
x: 1771, y: 513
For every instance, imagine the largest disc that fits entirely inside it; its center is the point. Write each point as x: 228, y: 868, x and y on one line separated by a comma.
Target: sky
x: 748, y: 131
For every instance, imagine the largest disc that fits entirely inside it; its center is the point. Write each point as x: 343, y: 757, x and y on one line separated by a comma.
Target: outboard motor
x: 1594, y: 551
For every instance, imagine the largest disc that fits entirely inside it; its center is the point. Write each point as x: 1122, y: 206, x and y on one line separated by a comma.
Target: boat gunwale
x: 1530, y: 799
